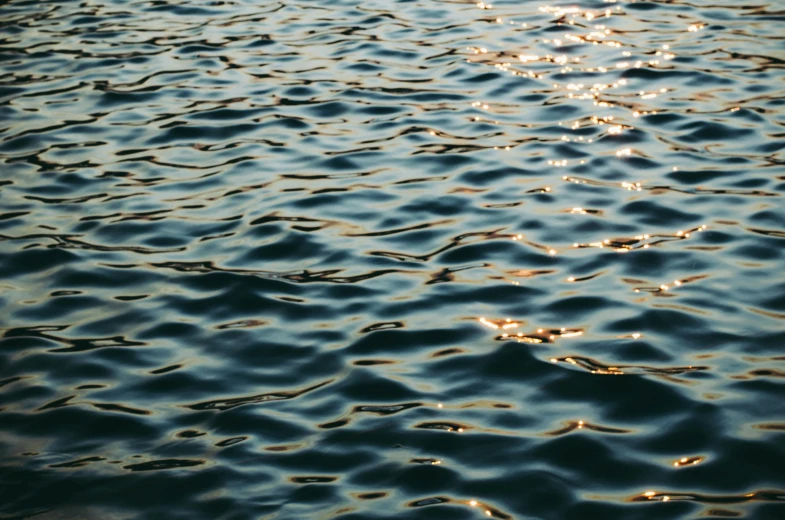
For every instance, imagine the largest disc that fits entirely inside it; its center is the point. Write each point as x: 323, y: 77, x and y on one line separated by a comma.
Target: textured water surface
x: 392, y: 259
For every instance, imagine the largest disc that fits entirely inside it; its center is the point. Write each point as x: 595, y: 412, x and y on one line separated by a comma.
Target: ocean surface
x: 425, y: 259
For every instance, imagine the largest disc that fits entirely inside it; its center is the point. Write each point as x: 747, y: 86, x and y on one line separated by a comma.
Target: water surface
x: 378, y: 259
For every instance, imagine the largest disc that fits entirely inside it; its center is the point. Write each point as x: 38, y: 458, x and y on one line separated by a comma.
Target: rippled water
x: 413, y: 259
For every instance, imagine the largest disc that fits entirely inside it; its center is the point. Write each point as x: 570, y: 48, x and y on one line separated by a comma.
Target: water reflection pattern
x: 380, y: 259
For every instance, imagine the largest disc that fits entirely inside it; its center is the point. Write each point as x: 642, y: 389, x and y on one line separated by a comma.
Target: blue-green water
x: 415, y: 259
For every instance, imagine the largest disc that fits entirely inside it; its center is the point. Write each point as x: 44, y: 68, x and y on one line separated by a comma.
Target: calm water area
x: 421, y: 259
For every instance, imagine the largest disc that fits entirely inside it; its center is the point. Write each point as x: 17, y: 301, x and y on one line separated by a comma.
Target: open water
x: 392, y: 259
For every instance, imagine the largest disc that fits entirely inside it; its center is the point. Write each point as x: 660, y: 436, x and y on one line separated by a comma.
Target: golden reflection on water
x: 687, y: 461
x: 665, y: 496
x: 539, y: 336
x: 625, y: 244
x: 487, y: 509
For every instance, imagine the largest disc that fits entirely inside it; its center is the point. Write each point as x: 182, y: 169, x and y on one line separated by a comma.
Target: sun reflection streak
x: 541, y: 335
x: 687, y: 461
x: 639, y: 241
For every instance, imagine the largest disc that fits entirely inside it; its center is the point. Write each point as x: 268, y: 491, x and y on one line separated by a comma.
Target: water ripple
x: 372, y: 260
